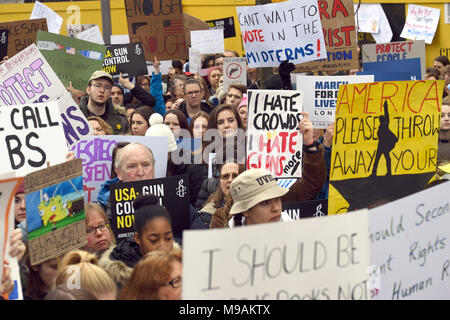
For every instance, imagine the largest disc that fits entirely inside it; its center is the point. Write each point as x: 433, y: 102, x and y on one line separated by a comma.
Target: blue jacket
x: 103, y: 195
x: 156, y: 91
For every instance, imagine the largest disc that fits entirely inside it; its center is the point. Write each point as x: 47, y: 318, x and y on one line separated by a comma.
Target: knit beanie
x: 159, y: 129
x: 244, y: 101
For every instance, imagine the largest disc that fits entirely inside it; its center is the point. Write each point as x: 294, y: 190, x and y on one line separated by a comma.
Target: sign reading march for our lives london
x: 385, y: 142
x: 173, y: 194
x: 410, y: 247
x: 127, y: 59
x: 325, y: 258
x: 321, y: 94
x: 274, y: 142
x: 273, y: 33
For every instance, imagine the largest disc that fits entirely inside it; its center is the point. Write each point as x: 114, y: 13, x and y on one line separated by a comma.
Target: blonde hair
x: 105, y: 126
x: 92, y: 278
x: 91, y: 206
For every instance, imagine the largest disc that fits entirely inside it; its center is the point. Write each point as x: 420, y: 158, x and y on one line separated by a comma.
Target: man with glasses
x: 98, y: 102
x: 235, y: 94
x: 193, y: 96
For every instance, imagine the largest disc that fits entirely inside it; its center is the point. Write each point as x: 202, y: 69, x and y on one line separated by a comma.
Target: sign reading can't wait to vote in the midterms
x: 323, y: 258
x: 384, y: 142
x: 275, y: 32
x: 410, y: 246
x: 274, y: 142
x: 321, y: 94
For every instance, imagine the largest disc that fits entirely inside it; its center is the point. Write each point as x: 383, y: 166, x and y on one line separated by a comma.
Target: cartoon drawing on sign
x: 386, y: 142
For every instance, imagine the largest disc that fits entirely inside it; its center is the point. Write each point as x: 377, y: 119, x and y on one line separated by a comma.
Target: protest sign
x: 385, y: 33
x: 399, y: 50
x: 225, y: 24
x: 384, y: 142
x: 207, y: 41
x: 56, y: 221
x: 3, y: 43
x: 306, y: 209
x: 321, y: 94
x: 41, y: 84
x: 387, y: 76
x: 66, y: 54
x: 192, y: 23
x: 96, y: 153
x: 411, y: 65
x: 172, y: 192
x: 120, y: 39
x: 234, y: 72
x: 22, y: 33
x: 421, y: 23
x: 74, y: 29
x: 8, y: 188
x: 195, y: 60
x: 54, y: 20
x: 127, y: 59
x: 324, y: 258
x: 366, y: 19
x: 32, y: 136
x: 92, y: 35
x: 339, y: 32
x: 159, y: 27
x: 274, y: 142
x: 275, y: 32
x: 409, y: 246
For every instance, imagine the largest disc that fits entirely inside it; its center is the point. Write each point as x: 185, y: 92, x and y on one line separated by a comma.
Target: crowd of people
x: 149, y: 266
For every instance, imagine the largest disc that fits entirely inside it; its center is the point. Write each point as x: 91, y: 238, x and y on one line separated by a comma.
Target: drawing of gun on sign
x: 235, y: 72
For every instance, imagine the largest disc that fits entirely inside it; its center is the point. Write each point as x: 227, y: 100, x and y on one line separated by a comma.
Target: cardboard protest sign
x: 54, y: 20
x: 3, y: 43
x: 412, y: 65
x: 274, y: 142
x: 225, y: 24
x: 275, y: 32
x: 56, y: 220
x: 159, y: 26
x: 192, y: 23
x: 409, y: 247
x: 321, y: 94
x: 399, y: 50
x: 8, y: 188
x: 339, y: 32
x: 31, y: 135
x: 41, y: 84
x: 127, y: 59
x: 172, y: 192
x: 208, y: 41
x: 22, y: 33
x: 96, y: 153
x: 66, y: 54
x: 74, y: 29
x: 323, y: 258
x: 234, y: 72
x: 306, y: 209
x: 92, y: 35
x: 384, y: 142
x: 421, y: 23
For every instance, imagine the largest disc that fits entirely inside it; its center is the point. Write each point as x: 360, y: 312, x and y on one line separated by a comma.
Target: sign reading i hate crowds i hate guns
x: 324, y: 258
x: 384, y: 142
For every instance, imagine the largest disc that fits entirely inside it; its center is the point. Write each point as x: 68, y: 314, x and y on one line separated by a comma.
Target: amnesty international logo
x: 137, y: 50
x: 181, y: 189
x: 3, y: 38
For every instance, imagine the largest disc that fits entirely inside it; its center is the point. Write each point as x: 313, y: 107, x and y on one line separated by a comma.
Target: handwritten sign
x: 368, y: 20
x: 234, y: 72
x: 306, y: 209
x: 274, y: 142
x: 55, y: 211
x: 127, y: 59
x: 92, y: 34
x: 324, y: 258
x: 339, y: 32
x: 421, y: 23
x: 321, y: 94
x: 276, y: 32
x: 409, y: 246
x: 172, y: 192
x: 22, y: 33
x: 384, y: 142
x: 96, y: 153
x: 159, y: 26
x: 74, y: 29
x: 54, y: 20
x: 208, y: 41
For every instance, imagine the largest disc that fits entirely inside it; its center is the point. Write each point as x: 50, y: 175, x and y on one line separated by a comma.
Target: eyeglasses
x: 233, y: 96
x: 227, y: 176
x: 192, y: 92
x: 175, y: 283
x: 99, y: 86
x: 101, y: 227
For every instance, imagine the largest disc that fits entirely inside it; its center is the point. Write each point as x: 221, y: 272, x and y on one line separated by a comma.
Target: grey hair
x: 121, y: 152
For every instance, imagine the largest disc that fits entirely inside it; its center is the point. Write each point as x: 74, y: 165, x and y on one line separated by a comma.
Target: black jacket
x: 197, y: 174
x: 143, y: 96
x: 203, y: 107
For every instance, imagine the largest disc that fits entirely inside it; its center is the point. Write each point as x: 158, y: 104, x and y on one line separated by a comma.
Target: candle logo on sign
x: 181, y: 190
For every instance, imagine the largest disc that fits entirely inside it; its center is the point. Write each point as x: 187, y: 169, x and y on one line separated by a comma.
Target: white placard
x: 321, y: 96
x: 410, y: 246
x: 421, y: 23
x: 234, y: 71
x: 208, y: 41
x: 92, y: 34
x: 54, y: 20
x: 366, y: 18
x: 120, y: 39
x: 275, y: 32
x: 195, y: 60
x: 323, y: 258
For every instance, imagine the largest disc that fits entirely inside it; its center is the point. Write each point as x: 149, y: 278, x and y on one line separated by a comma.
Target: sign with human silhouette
x: 384, y: 143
